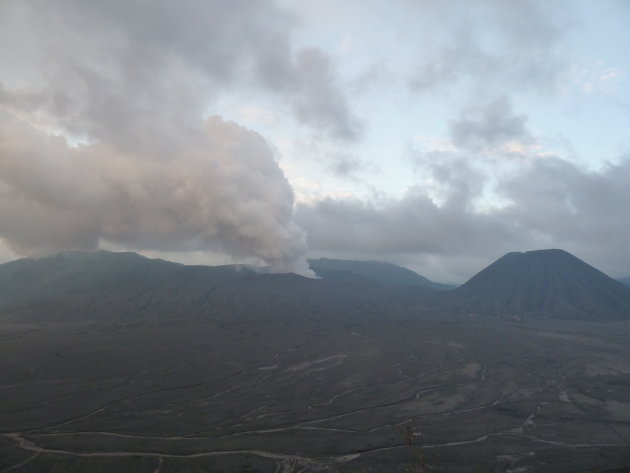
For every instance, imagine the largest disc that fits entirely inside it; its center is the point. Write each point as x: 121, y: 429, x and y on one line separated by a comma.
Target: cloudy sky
x: 434, y: 134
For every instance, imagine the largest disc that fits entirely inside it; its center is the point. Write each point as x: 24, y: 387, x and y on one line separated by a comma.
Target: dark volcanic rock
x: 544, y: 283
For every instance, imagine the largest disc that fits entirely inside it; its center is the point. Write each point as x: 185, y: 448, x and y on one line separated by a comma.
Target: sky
x: 438, y: 135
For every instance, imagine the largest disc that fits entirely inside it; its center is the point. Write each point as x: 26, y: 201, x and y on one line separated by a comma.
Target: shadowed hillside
x: 77, y: 273
x: 113, y: 286
x: 543, y: 283
x: 382, y: 273
x: 126, y: 286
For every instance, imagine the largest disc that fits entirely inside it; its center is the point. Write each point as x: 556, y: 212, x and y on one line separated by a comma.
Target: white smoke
x: 132, y: 82
x: 222, y: 190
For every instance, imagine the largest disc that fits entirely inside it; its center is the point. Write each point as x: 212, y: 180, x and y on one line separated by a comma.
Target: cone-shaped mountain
x: 543, y: 283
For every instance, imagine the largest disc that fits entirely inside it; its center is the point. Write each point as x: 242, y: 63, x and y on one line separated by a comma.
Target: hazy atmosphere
x: 437, y: 135
x: 290, y: 236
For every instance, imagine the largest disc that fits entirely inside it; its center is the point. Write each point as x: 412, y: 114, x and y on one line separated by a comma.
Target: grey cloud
x: 338, y: 161
x: 584, y: 209
x: 346, y: 164
x: 107, y: 66
x: 321, y: 103
x: 223, y: 190
x: 414, y: 223
x: 489, y: 126
x: 310, y: 82
x: 494, y: 42
x: 552, y: 203
x: 447, y: 242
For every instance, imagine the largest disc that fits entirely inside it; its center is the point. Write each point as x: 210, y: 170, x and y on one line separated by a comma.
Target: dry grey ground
x: 292, y: 395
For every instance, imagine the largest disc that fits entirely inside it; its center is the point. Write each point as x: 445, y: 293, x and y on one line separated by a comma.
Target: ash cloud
x: 132, y: 81
x: 222, y: 190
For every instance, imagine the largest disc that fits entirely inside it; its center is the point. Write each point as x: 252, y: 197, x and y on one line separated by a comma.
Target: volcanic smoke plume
x: 103, y: 135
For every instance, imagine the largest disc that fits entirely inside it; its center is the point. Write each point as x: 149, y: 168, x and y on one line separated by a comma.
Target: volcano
x: 544, y: 283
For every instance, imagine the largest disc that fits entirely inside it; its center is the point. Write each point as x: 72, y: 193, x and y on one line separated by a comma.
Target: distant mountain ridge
x: 543, y: 283
x: 115, y: 286
x: 105, y: 286
x: 625, y: 281
x: 72, y: 273
x: 387, y: 274
x: 79, y: 272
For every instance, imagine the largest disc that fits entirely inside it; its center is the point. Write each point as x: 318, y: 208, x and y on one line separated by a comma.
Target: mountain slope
x: 381, y: 273
x: 127, y: 287
x: 543, y: 283
x: 625, y: 281
x: 78, y: 273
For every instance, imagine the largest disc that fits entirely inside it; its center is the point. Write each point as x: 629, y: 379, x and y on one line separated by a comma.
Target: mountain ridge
x: 109, y: 286
x: 388, y: 274
x: 533, y: 284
